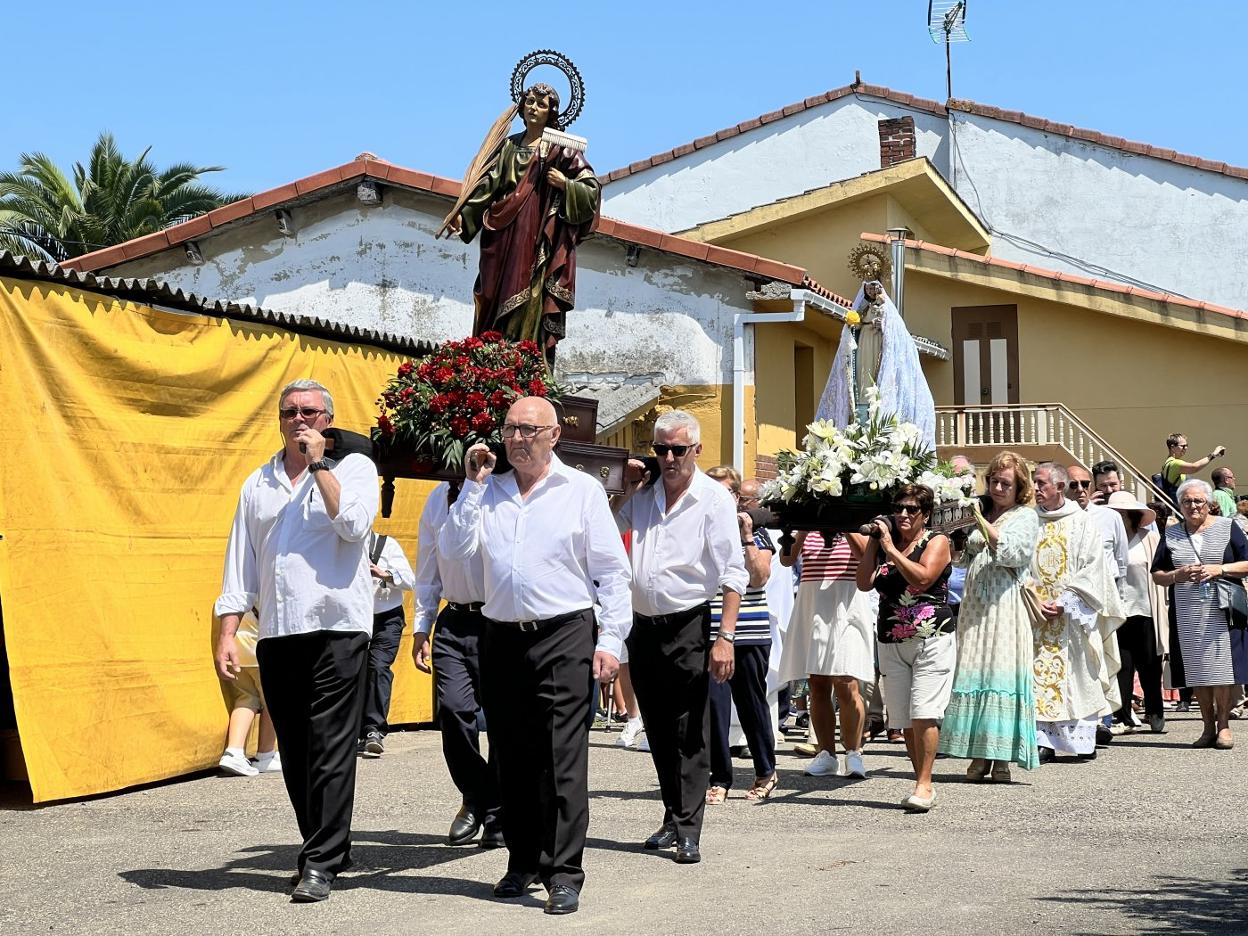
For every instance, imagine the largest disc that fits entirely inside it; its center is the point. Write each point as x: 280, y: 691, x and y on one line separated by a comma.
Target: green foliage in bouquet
x: 437, y: 408
x: 864, y: 460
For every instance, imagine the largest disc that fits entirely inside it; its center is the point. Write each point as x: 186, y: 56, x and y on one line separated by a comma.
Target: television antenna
x: 946, y: 19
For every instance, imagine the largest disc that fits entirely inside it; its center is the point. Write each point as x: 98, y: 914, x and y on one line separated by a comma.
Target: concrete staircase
x: 1040, y: 432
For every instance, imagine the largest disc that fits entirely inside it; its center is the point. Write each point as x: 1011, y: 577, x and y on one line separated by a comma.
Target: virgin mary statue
x: 879, y: 352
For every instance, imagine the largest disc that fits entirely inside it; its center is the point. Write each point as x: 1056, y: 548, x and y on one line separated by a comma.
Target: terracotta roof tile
x: 231, y: 212
x: 1105, y: 285
x: 187, y: 230
x: 319, y: 180
x: 749, y: 264
x: 933, y: 107
x: 274, y: 196
x: 144, y: 245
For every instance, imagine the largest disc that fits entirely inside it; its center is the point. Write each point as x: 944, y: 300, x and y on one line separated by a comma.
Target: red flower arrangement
x: 458, y: 396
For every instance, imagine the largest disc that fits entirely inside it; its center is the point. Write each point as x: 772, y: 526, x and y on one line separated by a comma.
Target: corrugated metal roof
x: 155, y: 292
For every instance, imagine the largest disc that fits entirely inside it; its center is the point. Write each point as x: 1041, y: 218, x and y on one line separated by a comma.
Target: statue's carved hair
x: 541, y: 89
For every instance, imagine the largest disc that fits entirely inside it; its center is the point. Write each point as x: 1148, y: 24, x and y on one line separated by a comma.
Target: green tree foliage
x: 110, y: 200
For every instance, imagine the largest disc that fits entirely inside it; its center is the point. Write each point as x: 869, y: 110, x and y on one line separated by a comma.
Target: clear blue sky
x: 276, y: 90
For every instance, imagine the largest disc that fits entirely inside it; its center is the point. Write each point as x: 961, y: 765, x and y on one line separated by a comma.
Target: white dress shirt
x: 387, y: 596
x: 1113, y: 536
x: 683, y: 557
x: 550, y: 554
x: 302, y: 569
x: 461, y: 581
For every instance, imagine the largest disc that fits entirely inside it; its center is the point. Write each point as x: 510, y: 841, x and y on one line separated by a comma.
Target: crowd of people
x: 1019, y: 642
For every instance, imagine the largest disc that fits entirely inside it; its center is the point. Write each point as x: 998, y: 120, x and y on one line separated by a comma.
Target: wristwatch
x: 730, y: 636
x: 316, y: 466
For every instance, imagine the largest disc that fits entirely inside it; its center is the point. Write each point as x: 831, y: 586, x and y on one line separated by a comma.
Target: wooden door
x: 985, y: 355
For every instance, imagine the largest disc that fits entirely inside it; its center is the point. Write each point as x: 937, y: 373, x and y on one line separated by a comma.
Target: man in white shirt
x: 550, y: 552
x: 1114, y: 540
x: 297, y: 552
x: 455, y: 656
x: 392, y: 576
x: 686, y: 547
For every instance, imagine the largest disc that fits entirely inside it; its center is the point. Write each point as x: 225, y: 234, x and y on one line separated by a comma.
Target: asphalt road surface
x: 1152, y: 837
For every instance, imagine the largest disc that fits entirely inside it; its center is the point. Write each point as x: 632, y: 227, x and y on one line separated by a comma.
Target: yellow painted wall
x: 1132, y: 382
x: 774, y: 387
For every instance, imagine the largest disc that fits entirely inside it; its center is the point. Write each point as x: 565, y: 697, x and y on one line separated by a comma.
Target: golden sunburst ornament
x: 870, y: 261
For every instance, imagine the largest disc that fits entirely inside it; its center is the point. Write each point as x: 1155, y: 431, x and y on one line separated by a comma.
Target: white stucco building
x: 1052, y: 195
x: 656, y: 316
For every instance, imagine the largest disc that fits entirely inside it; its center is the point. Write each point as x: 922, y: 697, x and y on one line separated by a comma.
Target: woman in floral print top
x: 909, y: 566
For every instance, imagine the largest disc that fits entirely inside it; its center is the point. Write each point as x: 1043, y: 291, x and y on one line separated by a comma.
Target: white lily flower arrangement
x: 863, y: 461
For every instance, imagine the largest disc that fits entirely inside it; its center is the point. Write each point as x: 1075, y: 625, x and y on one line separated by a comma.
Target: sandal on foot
x: 1224, y: 741
x: 716, y: 795
x: 762, y: 788
x: 978, y: 770
x: 1000, y: 771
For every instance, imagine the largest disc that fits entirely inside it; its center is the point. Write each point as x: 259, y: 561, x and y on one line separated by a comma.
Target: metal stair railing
x: 1044, y: 424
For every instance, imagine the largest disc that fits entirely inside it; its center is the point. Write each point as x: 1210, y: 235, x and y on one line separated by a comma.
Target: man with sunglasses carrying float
x: 298, y: 552
x: 550, y: 553
x: 686, y: 547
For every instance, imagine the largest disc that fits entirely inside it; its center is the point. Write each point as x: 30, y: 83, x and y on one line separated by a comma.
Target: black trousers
x: 1137, y: 645
x: 534, y: 686
x: 382, y: 649
x: 667, y: 662
x: 314, y: 686
x: 457, y: 676
x: 748, y: 689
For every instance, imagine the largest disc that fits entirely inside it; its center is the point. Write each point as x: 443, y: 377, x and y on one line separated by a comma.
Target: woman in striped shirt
x: 831, y: 640
x: 747, y: 686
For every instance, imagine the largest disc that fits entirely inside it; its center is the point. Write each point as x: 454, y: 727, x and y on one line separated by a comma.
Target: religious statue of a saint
x: 876, y: 349
x: 534, y: 204
x: 869, y: 335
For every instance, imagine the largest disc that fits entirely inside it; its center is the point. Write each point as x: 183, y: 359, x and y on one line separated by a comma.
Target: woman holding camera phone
x: 991, y: 716
x: 909, y: 565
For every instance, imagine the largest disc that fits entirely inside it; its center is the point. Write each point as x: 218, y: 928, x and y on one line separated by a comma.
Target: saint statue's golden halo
x: 869, y: 261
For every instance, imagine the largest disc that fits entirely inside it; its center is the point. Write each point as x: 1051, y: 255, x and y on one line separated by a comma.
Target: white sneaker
x: 237, y: 764
x: 644, y: 744
x: 853, y: 766
x: 629, y: 733
x: 1118, y: 728
x: 270, y: 762
x: 825, y: 764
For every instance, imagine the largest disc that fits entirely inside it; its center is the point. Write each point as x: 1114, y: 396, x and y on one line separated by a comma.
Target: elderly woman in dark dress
x: 1202, y: 560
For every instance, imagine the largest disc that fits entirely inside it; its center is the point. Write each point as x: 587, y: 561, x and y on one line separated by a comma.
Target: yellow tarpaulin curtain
x: 126, y: 434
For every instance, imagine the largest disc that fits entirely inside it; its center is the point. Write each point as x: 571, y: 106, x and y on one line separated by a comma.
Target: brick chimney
x: 896, y: 141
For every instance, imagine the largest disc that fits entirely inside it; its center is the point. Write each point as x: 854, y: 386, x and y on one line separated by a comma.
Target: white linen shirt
x: 683, y: 557
x: 550, y: 554
x: 387, y: 597
x: 303, y: 570
x: 461, y: 581
x: 1113, y: 537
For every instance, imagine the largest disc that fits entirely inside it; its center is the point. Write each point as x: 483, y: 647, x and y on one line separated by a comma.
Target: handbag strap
x: 379, y: 543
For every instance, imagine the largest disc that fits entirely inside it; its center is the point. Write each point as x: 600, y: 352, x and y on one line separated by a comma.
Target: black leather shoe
x: 313, y: 886
x: 1156, y: 724
x: 563, y: 899
x: 664, y: 838
x: 1046, y: 755
x: 513, y: 884
x: 687, y: 852
x: 1104, y: 737
x: 491, y: 835
x: 464, y: 828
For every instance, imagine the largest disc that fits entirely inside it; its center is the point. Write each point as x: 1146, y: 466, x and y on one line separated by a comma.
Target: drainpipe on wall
x: 898, y: 244
x: 739, y: 323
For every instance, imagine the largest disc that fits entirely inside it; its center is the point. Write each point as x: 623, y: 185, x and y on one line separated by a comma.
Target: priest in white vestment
x: 1075, y: 676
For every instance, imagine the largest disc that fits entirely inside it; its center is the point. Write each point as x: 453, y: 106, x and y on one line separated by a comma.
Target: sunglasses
x: 307, y: 412
x: 1078, y: 485
x: 909, y: 510
x: 678, y: 450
